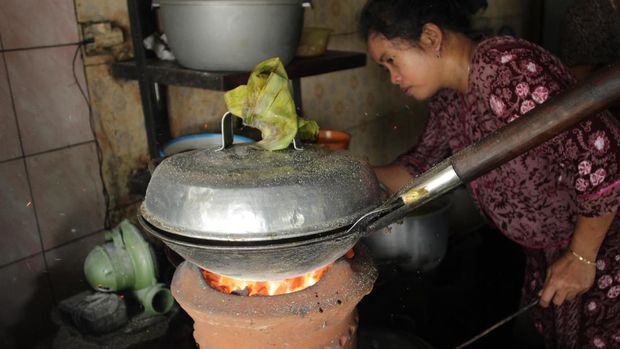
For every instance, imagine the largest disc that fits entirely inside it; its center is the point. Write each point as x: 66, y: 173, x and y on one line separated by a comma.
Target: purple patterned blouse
x: 535, y: 198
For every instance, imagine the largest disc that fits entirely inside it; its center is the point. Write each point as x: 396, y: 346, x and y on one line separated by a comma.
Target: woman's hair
x: 405, y: 19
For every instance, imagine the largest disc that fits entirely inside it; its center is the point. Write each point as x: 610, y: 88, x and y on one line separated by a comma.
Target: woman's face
x: 413, y: 68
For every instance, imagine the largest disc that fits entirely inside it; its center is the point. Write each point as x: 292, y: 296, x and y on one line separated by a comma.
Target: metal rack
x: 154, y: 76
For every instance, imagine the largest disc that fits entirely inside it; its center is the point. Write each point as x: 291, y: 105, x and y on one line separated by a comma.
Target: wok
x: 259, y: 261
x: 256, y: 215
x: 282, y: 256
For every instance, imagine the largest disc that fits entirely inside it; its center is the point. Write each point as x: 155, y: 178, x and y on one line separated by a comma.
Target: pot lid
x: 246, y: 194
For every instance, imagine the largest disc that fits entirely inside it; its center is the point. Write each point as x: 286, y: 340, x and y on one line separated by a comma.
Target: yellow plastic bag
x: 266, y: 103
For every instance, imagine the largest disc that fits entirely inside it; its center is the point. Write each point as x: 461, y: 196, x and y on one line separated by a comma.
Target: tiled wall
x: 51, y: 202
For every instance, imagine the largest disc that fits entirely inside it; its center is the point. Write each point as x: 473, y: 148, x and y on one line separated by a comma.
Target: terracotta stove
x: 322, y: 316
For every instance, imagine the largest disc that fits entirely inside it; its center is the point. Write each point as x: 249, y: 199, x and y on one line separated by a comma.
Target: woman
x: 558, y: 201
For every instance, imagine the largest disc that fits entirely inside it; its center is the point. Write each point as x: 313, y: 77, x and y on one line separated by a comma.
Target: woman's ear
x: 431, y: 39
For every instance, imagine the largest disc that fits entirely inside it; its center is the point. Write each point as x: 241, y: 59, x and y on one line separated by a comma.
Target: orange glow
x: 264, y: 288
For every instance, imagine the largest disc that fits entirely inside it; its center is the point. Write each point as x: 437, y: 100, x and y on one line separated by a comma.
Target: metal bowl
x: 243, y: 194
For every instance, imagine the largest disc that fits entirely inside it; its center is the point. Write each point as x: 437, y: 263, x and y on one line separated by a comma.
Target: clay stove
x: 322, y: 316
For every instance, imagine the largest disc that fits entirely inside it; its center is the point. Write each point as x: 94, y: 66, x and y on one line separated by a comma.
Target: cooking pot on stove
x: 256, y: 215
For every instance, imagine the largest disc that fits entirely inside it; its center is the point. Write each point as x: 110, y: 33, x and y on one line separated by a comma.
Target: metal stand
x: 153, y: 95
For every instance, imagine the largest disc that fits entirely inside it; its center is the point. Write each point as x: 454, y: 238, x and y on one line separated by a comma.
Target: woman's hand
x: 567, y: 278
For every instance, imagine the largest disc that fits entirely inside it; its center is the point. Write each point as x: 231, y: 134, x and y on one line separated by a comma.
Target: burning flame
x: 267, y: 288
x: 264, y: 288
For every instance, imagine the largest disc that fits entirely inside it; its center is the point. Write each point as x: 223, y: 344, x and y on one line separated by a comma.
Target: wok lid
x: 245, y: 194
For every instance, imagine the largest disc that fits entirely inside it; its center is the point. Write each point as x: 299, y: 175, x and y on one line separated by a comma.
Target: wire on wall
x: 91, y: 121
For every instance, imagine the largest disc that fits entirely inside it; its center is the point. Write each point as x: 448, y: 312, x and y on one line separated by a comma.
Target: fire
x: 267, y: 288
x: 264, y: 288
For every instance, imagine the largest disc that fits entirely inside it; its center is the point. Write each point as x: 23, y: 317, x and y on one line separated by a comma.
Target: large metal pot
x: 258, y: 215
x: 418, y: 242
x: 231, y: 35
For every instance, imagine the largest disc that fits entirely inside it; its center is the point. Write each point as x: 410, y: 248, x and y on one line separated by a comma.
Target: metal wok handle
x: 227, y: 131
x: 541, y: 124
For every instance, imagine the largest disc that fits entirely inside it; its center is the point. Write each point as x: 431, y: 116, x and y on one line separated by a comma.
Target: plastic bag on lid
x: 266, y: 103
